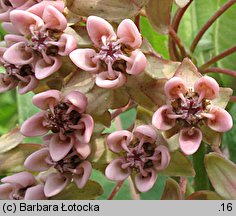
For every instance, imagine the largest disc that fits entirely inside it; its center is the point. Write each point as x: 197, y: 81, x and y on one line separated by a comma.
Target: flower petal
x: 162, y: 152
x: 78, y: 99
x: 83, y: 149
x: 37, y: 161
x: 144, y: 184
x: 85, y: 169
x: 116, y: 139
x: 35, y: 193
x: 129, y: 34
x: 115, y: 172
x: 7, y: 83
x: 25, y: 87
x: 55, y: 183
x: 34, y: 126
x: 161, y: 120
x: 11, y: 39
x: 45, y: 99
x: 5, y: 191
x: 146, y: 132
x: 103, y: 80
x: 82, y: 58
x: 10, y: 28
x: 69, y: 44
x: 190, y: 140
x: 98, y: 27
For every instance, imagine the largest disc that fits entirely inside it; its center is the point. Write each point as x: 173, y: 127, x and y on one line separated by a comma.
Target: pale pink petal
x: 138, y: 63
x: 190, y: 140
x: 85, y: 170
x: 146, y: 133
x: 175, y: 88
x: 144, y: 184
x: 129, y: 34
x: 37, y: 161
x: 20, y: 3
x: 24, y: 179
x: 82, y: 58
x: 83, y: 149
x: 59, y: 148
x: 98, y: 27
x: 22, y: 20
x: 69, y: 44
x: 103, y: 80
x: 5, y: 191
x: 10, y: 28
x: 43, y: 69
x: 221, y: 120
x: 161, y: 120
x: 163, y: 152
x: 17, y: 54
x: 115, y: 172
x: 7, y: 83
x: 29, y: 86
x: 38, y: 9
x: 116, y: 139
x: 5, y: 15
x: 78, y: 99
x: 54, y: 19
x: 55, y: 183
x: 35, y: 193
x: 207, y: 88
x: 45, y: 99
x: 11, y: 39
x: 33, y: 126
x: 88, y: 123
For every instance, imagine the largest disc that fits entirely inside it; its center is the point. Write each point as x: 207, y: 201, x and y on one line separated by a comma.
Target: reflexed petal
x: 146, y: 132
x: 222, y: 120
x: 85, y: 170
x: 78, y: 99
x: 129, y: 34
x: 207, y: 88
x: 161, y: 120
x: 43, y: 69
x: 35, y: 193
x: 26, y: 87
x: 59, y: 148
x: 83, y: 149
x: 190, y: 140
x: 115, y: 140
x: 37, y: 161
x: 70, y: 44
x: 103, y: 80
x: 11, y: 39
x: 175, y: 87
x: 6, y: 83
x: 98, y: 27
x: 165, y: 157
x: 10, y: 28
x: 138, y: 64
x: 42, y: 100
x: 144, y: 184
x: 55, y: 183
x: 82, y: 58
x: 34, y: 126
x: 5, y: 191
x: 24, y: 179
x: 115, y: 172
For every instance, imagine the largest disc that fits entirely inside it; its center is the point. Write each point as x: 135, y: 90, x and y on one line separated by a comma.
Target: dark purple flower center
x: 18, y: 71
x: 61, y: 120
x: 19, y: 194
x: 7, y: 3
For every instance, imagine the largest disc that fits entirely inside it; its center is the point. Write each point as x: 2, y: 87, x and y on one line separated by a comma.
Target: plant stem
x: 219, y: 70
x: 233, y: 99
x: 200, y: 179
x: 183, y: 184
x: 129, y: 106
x: 218, y: 57
x: 115, y: 190
x: 208, y: 24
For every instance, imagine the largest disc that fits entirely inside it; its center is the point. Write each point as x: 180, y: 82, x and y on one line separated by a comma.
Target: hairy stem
x: 115, y: 190
x: 200, y: 180
x: 208, y: 24
x: 218, y: 57
x: 219, y: 70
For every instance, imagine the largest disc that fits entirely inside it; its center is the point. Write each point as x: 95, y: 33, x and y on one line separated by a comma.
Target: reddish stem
x: 233, y: 99
x: 219, y: 70
x: 183, y: 183
x: 137, y: 21
x: 136, y: 4
x: 218, y: 57
x: 208, y: 24
x: 217, y: 150
x: 115, y: 190
x: 129, y: 106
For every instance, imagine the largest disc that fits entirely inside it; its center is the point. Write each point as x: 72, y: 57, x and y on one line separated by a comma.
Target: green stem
x: 200, y: 181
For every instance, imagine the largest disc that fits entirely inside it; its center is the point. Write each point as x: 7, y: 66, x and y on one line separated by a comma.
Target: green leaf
x: 172, y: 190
x: 222, y: 174
x: 204, y: 195
x: 179, y: 165
x: 90, y: 191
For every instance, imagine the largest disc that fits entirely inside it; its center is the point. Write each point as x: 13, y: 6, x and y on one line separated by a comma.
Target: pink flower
x: 71, y: 167
x: 191, y: 105
x: 21, y: 186
x: 65, y: 117
x: 140, y: 154
x: 113, y: 55
x: 44, y: 42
